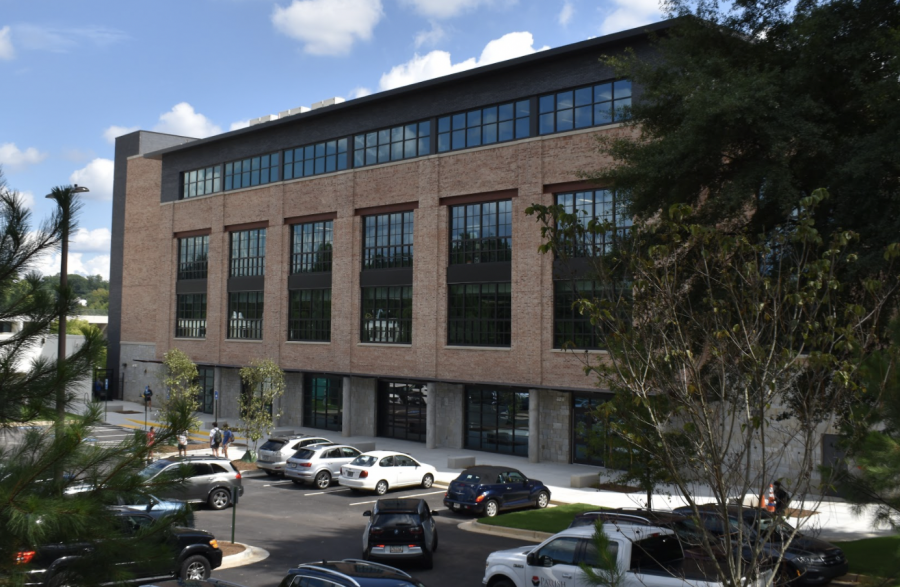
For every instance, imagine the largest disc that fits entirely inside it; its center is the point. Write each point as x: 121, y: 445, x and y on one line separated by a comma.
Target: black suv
x: 348, y: 573
x: 206, y: 479
x: 401, y: 529
x: 195, y: 553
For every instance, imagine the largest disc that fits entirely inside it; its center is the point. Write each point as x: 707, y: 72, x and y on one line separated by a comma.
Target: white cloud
x: 565, y: 15
x: 183, y: 121
x: 359, y: 92
x: 438, y: 63
x: 239, y: 124
x: 430, y: 37
x: 97, y: 176
x: 27, y: 199
x: 631, y: 14
x: 14, y: 159
x: 328, y: 27
x: 90, y: 241
x: 448, y: 8
x: 6, y: 47
x: 61, y: 40
x: 79, y: 263
x: 114, y: 131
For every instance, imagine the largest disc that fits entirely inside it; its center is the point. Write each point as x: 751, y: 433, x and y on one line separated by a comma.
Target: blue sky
x: 78, y: 74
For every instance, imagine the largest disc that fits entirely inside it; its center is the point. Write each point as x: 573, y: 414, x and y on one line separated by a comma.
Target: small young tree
x: 181, y: 382
x: 263, y: 383
x: 601, y: 567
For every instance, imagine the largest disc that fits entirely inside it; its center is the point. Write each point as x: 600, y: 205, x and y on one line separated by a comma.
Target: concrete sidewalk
x: 834, y: 520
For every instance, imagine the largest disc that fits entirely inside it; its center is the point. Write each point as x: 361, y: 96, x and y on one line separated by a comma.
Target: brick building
x: 379, y: 251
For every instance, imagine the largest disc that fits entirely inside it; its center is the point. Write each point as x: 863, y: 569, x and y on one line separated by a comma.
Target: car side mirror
x: 530, y: 559
x: 367, y: 513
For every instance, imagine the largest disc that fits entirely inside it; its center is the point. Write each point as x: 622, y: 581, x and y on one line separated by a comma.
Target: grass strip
x: 875, y: 557
x: 551, y: 519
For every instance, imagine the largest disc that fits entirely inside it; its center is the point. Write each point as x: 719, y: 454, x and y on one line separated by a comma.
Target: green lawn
x: 551, y: 519
x: 874, y: 556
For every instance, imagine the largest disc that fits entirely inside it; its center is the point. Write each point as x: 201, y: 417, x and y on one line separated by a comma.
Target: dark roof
x: 355, y: 569
x: 485, y: 70
x: 733, y: 510
x: 398, y: 505
x: 489, y: 470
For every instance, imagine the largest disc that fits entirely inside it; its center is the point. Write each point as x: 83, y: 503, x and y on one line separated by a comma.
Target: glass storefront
x: 589, y: 439
x: 497, y: 420
x: 323, y: 402
x: 402, y: 410
x: 206, y: 398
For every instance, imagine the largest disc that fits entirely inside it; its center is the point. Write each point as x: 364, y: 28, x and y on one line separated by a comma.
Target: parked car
x: 381, y: 470
x: 195, y: 553
x: 488, y: 490
x: 275, y: 452
x: 319, y: 464
x: 644, y: 559
x: 807, y: 560
x: 206, y: 479
x: 347, y: 573
x: 151, y: 505
x: 401, y: 529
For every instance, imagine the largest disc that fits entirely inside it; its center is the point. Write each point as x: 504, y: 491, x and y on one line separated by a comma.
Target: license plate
x: 396, y: 549
x: 292, y: 465
x: 456, y: 506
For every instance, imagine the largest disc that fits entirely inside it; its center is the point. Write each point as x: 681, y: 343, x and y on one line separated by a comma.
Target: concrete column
x: 346, y: 410
x: 431, y: 415
x: 217, y: 388
x: 534, y: 426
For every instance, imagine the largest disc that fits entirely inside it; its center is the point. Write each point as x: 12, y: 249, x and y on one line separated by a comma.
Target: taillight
x: 24, y: 557
x: 363, y: 474
x: 446, y: 495
x: 238, y: 476
x: 415, y: 530
x: 479, y: 499
x: 307, y: 465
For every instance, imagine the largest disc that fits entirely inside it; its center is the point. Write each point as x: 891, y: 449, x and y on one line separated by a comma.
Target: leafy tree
x: 181, y: 381
x: 731, y: 347
x: 73, y: 326
x: 98, y: 299
x: 263, y: 383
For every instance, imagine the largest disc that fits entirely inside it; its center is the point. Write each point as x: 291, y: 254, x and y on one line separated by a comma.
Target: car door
x: 197, y: 486
x: 133, y: 524
x: 555, y: 564
x: 387, y: 471
x: 407, y: 470
x: 331, y: 460
x: 516, y: 490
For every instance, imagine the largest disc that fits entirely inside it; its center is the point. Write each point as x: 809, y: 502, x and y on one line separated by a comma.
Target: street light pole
x: 66, y: 209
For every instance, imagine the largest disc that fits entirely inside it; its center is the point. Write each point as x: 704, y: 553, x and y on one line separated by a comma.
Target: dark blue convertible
x: 488, y: 489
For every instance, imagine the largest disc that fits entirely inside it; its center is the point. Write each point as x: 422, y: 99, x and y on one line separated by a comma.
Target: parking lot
x: 303, y: 524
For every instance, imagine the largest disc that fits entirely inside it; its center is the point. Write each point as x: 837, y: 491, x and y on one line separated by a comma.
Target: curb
x: 250, y: 555
x: 529, y: 535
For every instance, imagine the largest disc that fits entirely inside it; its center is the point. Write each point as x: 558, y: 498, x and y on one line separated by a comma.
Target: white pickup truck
x: 646, y: 557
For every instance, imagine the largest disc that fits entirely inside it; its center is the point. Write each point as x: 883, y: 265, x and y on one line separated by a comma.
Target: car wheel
x: 427, y: 481
x: 219, y: 498
x: 543, y: 499
x: 195, y: 568
x: 491, y: 508
x: 323, y: 480
x: 428, y: 560
x: 381, y: 487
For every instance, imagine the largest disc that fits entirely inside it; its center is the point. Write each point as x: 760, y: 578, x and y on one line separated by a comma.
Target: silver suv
x: 274, y: 453
x: 206, y: 479
x: 319, y: 464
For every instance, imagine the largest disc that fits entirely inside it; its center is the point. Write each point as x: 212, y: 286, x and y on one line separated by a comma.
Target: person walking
x: 182, y: 443
x: 227, y: 439
x: 215, y: 439
x: 782, y: 498
x: 151, y: 439
x: 148, y: 397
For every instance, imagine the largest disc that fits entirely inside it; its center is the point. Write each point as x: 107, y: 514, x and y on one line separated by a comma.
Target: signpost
x: 234, y: 501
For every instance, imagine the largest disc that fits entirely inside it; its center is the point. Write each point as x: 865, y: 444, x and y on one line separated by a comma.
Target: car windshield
x: 272, y: 445
x: 396, y: 519
x: 777, y: 530
x: 304, y: 454
x: 364, y: 461
x: 154, y: 469
x: 469, y: 478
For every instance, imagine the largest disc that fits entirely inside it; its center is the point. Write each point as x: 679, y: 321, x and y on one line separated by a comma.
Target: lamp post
x: 65, y: 199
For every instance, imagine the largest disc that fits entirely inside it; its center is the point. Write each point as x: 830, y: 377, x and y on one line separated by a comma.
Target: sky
x: 76, y: 75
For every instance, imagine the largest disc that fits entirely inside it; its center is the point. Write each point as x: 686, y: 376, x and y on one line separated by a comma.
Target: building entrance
x: 402, y: 410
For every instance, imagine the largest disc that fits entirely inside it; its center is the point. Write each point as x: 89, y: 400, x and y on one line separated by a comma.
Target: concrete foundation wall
x: 291, y: 403
x: 448, y: 404
x: 138, y: 375
x: 229, y: 394
x: 363, y: 398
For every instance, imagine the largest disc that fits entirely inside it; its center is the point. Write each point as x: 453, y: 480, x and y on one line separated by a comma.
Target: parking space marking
x: 364, y: 502
x: 278, y: 483
x: 405, y: 496
x: 326, y: 491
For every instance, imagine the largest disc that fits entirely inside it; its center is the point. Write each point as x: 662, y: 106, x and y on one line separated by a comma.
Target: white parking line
x: 325, y: 492
x: 278, y: 483
x: 404, y: 497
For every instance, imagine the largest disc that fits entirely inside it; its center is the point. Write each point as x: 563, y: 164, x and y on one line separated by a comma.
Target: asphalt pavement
x: 303, y: 524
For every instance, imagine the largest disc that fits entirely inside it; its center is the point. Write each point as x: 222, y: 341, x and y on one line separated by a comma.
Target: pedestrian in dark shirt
x: 782, y: 498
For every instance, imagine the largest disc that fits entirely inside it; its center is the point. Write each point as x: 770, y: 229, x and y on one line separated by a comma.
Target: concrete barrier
x: 460, y: 462
x: 366, y: 446
x: 584, y: 479
x: 282, y: 432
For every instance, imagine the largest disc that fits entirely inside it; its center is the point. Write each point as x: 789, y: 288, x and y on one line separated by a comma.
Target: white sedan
x: 381, y: 470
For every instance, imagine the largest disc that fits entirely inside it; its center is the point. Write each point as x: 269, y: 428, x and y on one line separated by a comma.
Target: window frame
x: 261, y: 170
x: 604, y: 207
x: 322, y: 235
x: 379, y: 233
x: 196, y: 267
x: 253, y: 327
x: 381, y: 146
x: 549, y: 109
x: 478, y: 253
x: 488, y: 330
x: 403, y: 322
x: 316, y: 159
x: 247, y: 265
x: 194, y: 186
x: 457, y: 131
x: 318, y: 325
x: 198, y: 328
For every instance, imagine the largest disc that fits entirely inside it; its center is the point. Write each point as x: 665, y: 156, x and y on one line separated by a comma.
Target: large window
x: 388, y: 240
x: 245, y: 315
x: 392, y: 144
x: 484, y: 126
x: 252, y: 171
x: 248, y: 253
x: 201, y: 182
x: 589, y: 431
x: 190, y: 316
x: 570, y: 327
x: 386, y: 314
x: 480, y: 314
x: 310, y: 315
x: 497, y: 420
x: 193, y: 257
x: 402, y: 410
x: 311, y: 247
x: 206, y: 397
x: 584, y: 107
x: 315, y: 159
x: 323, y: 402
x: 481, y: 233
x: 603, y: 206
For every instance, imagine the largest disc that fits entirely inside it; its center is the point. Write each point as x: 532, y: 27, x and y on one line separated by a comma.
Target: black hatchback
x: 488, y: 490
x: 348, y: 573
x: 401, y: 529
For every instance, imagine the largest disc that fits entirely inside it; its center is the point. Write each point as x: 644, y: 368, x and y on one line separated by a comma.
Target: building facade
x: 379, y: 251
